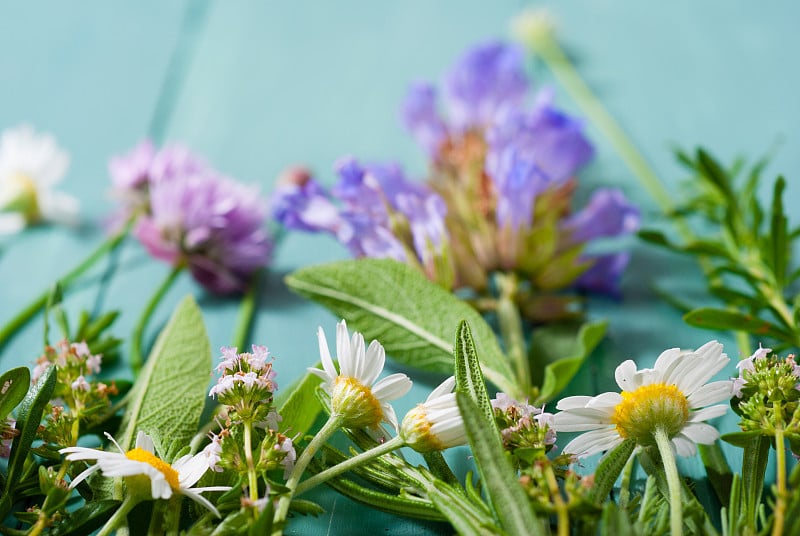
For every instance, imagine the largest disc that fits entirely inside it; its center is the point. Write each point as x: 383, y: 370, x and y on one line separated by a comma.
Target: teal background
x: 256, y: 86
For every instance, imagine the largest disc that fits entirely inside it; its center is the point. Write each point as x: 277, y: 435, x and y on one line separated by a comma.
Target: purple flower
x: 607, y: 214
x: 604, y: 276
x: 301, y: 203
x: 213, y: 224
x: 421, y: 118
x: 484, y: 83
x: 132, y: 170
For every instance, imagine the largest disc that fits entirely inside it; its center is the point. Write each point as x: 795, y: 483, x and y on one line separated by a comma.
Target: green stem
x: 119, y: 516
x: 24, y: 316
x: 384, y: 448
x: 562, y: 510
x: 673, y: 482
x: 780, y: 478
x: 252, y: 478
x: 512, y: 331
x: 138, y: 331
x: 333, y: 423
x: 247, y: 308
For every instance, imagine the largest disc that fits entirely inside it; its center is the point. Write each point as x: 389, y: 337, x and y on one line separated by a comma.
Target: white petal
x: 343, y: 349
x: 593, y: 442
x: 59, y: 207
x: 324, y: 375
x: 626, y: 376
x: 701, y: 367
x: 199, y: 499
x: 711, y: 393
x: 358, y: 357
x: 392, y: 387
x: 573, y: 402
x: 83, y: 476
x: 12, y: 223
x: 605, y: 400
x: 683, y: 446
x: 373, y: 365
x: 325, y: 355
x: 446, y: 387
x: 145, y: 442
x: 700, y: 432
x: 389, y: 415
x: 159, y: 487
x: 710, y: 412
x: 666, y: 362
x: 567, y: 421
x: 190, y: 469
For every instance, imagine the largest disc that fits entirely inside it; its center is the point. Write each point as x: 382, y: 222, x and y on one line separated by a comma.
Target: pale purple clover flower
x: 421, y: 117
x: 80, y: 384
x: 212, y: 224
x: 485, y: 82
x: 131, y: 170
x: 608, y: 214
x: 604, y: 275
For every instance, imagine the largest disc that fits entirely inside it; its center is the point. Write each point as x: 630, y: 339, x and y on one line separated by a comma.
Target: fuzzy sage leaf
x: 511, y: 506
x: 412, y: 317
x: 298, y: 406
x: 469, y: 379
x: 168, y: 397
x: 610, y: 468
x: 14, y: 386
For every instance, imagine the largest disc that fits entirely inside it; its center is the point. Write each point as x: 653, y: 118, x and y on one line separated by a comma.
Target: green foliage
x: 747, y: 249
x: 413, y: 318
x: 609, y: 469
x: 14, y: 386
x: 168, y: 398
x: 558, y: 351
x: 297, y: 405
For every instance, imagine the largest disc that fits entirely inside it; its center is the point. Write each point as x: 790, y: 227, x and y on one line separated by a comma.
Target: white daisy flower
x: 672, y: 396
x: 31, y: 164
x: 435, y: 424
x: 353, y: 395
x: 165, y: 479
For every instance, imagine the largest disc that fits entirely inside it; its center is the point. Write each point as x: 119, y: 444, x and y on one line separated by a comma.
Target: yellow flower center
x: 355, y: 401
x: 657, y: 405
x: 416, y: 431
x: 19, y: 194
x: 170, y: 474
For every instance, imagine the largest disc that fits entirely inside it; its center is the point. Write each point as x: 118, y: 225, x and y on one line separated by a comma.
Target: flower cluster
x: 498, y: 197
x: 246, y: 384
x: 31, y: 164
x: 77, y: 398
x: 672, y: 397
x: 189, y: 214
x: 527, y: 431
x: 767, y: 393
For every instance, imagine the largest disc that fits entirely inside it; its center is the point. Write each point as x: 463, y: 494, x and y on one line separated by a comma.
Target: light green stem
x: 24, y: 316
x: 780, y: 479
x: 389, y: 446
x: 247, y: 309
x: 252, y: 478
x: 119, y: 516
x: 512, y: 331
x: 333, y: 423
x: 138, y: 331
x: 673, y: 482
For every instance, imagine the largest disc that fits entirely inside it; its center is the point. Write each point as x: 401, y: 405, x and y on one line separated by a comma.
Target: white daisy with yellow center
x: 354, y: 398
x: 673, y: 397
x: 165, y: 479
x: 31, y: 164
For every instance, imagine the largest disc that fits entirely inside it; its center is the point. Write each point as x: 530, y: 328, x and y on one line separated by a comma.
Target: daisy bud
x: 436, y: 424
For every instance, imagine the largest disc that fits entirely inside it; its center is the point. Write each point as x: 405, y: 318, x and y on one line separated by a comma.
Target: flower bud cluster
x: 767, y: 392
x: 527, y: 431
x: 77, y: 396
x: 246, y: 385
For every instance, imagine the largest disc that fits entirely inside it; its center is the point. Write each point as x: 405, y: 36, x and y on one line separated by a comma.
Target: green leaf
x: 778, y: 249
x: 29, y: 416
x: 558, y: 352
x: 754, y: 468
x: 298, y: 405
x: 741, y: 439
x: 459, y: 512
x: 609, y: 469
x: 722, y: 319
x: 168, y: 398
x: 85, y: 520
x: 413, y: 318
x: 14, y: 386
x: 469, y: 379
x: 508, y: 499
x: 718, y: 471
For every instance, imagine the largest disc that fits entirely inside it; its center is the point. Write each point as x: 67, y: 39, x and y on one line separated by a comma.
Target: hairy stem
x: 252, y: 478
x: 780, y: 479
x: 512, y: 331
x: 673, y: 482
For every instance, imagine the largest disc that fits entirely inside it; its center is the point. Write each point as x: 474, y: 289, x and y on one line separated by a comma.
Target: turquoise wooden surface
x: 256, y: 86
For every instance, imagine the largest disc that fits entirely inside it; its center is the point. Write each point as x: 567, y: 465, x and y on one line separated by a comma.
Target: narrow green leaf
x: 559, y: 351
x: 754, y: 468
x: 615, y: 521
x: 168, y: 397
x: 298, y: 406
x: 85, y: 520
x: 508, y: 499
x: 722, y: 319
x: 469, y: 379
x: 778, y: 251
x: 717, y: 176
x: 29, y: 416
x: 413, y: 318
x: 609, y: 469
x: 718, y: 471
x: 741, y: 439
x: 14, y: 386
x: 459, y: 513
